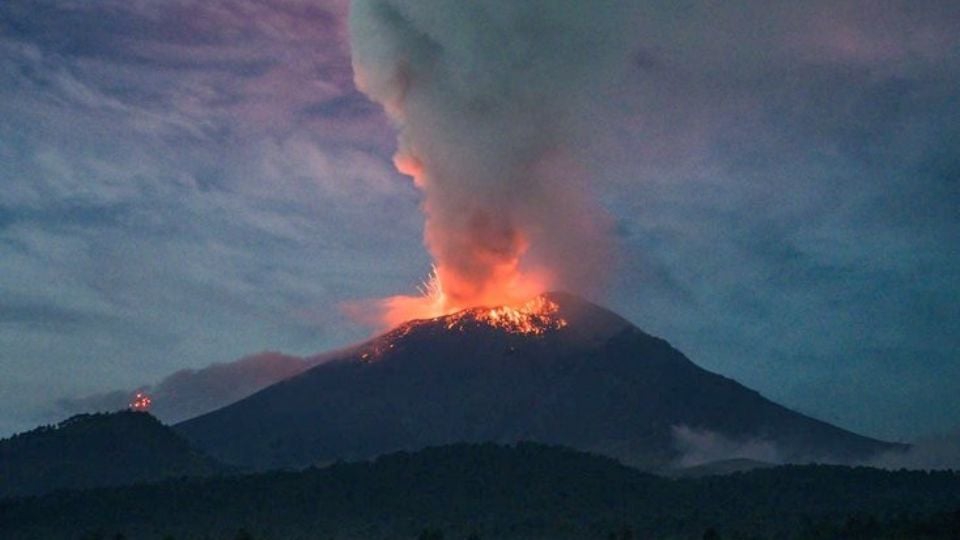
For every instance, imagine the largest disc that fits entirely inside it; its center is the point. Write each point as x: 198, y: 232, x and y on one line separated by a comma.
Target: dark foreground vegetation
x: 487, y: 491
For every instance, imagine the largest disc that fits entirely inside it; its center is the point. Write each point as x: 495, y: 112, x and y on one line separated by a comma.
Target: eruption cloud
x: 494, y: 102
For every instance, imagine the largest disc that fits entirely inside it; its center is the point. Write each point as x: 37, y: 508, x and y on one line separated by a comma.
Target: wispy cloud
x: 182, y: 183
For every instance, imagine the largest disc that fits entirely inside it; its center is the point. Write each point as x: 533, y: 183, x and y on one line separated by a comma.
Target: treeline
x: 487, y: 492
x: 939, y: 526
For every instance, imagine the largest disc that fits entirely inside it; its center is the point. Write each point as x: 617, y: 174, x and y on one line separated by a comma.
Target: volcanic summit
x: 556, y: 370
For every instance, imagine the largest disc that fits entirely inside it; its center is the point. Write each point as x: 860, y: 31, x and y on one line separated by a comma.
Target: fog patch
x: 701, y: 446
x: 937, y: 452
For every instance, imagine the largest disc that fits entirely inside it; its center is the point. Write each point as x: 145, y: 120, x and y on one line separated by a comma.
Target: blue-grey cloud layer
x: 183, y: 183
x: 188, y: 182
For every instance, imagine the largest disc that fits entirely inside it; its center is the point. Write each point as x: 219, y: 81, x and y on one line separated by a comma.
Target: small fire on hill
x: 140, y: 402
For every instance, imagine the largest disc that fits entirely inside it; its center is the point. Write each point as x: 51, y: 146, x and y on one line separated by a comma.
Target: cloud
x: 699, y: 447
x: 173, y: 172
x: 39, y: 314
x: 790, y: 207
x: 928, y: 453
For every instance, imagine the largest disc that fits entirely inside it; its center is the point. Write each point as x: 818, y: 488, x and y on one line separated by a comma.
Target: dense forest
x: 488, y: 491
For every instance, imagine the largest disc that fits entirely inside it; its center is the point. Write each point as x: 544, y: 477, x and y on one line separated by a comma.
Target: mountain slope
x: 594, y: 382
x: 92, y: 450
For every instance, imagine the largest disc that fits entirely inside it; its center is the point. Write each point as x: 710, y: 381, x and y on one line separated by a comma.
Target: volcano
x: 558, y: 371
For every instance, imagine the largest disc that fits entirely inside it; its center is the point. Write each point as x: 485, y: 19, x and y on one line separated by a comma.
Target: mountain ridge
x: 596, y: 383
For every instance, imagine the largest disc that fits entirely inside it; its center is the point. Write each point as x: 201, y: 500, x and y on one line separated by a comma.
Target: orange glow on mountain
x: 447, y: 292
x: 536, y: 316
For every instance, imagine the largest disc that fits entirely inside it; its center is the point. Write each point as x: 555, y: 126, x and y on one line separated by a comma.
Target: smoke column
x: 494, y: 102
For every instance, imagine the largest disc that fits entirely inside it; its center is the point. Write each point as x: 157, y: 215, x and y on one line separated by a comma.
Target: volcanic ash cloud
x: 494, y: 104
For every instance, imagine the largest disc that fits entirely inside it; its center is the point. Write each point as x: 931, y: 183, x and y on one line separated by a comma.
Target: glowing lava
x: 140, y: 402
x: 512, y: 290
x: 535, y: 317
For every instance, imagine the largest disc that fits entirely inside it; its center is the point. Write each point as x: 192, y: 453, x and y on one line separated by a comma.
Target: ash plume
x: 493, y: 101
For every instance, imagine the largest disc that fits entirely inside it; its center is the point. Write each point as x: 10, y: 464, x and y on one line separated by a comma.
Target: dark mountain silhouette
x: 487, y: 491
x: 92, y: 450
x: 594, y: 382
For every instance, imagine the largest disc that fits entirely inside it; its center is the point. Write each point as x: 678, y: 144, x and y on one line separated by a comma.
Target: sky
x: 191, y: 182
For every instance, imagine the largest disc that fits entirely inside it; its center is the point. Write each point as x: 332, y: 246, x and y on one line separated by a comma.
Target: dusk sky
x: 188, y: 182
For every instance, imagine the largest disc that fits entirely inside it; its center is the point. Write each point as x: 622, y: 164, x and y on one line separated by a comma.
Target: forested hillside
x: 488, y: 491
x: 93, y: 450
